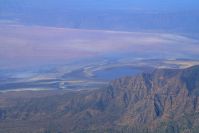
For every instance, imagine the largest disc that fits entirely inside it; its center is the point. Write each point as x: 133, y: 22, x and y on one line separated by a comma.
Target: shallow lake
x: 116, y: 72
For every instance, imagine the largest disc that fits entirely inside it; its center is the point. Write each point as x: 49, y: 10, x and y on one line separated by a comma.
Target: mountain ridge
x: 164, y: 101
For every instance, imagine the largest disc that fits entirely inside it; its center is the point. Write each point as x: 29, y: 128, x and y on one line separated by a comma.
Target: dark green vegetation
x: 165, y: 101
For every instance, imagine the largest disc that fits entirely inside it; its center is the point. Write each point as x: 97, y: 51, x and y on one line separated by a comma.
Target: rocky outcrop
x: 165, y: 100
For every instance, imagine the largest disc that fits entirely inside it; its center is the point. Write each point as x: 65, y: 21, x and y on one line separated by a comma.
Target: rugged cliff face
x: 165, y: 100
x: 162, y: 97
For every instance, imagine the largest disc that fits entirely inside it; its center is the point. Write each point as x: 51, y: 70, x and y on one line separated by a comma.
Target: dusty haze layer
x: 25, y: 45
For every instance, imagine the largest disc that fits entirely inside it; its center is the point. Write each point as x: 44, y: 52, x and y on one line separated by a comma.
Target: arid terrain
x: 90, y: 66
x: 163, y: 101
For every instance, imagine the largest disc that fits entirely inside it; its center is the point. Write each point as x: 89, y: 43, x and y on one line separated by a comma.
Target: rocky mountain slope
x: 164, y: 101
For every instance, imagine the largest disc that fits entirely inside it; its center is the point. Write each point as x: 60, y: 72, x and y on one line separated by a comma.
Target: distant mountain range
x: 164, y: 101
x: 185, y: 22
x: 181, y: 22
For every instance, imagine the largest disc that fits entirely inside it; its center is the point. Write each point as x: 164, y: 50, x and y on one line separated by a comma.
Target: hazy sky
x: 104, y: 4
x: 20, y: 44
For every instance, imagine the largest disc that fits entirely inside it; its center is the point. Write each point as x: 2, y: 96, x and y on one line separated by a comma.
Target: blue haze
x: 167, y: 5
